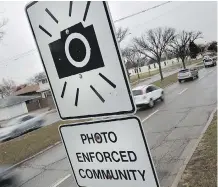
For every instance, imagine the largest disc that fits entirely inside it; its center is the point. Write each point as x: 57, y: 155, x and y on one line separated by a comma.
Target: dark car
x: 7, y: 177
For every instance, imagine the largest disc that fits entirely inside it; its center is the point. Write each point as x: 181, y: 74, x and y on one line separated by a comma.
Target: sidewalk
x: 156, y: 77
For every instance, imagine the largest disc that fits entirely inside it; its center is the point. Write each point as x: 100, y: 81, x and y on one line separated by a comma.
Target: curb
x: 182, y: 169
x: 33, y: 156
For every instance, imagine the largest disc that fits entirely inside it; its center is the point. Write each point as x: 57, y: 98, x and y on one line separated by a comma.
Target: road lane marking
x: 207, y: 74
x: 201, y: 77
x: 149, y: 116
x: 210, y: 71
x: 183, y: 91
x: 61, y: 180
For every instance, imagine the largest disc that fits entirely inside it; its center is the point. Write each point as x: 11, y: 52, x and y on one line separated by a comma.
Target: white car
x: 147, y: 95
x: 20, y: 125
x: 209, y: 61
x: 187, y: 74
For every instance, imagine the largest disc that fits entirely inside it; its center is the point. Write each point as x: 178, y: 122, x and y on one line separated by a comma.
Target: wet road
x: 171, y: 127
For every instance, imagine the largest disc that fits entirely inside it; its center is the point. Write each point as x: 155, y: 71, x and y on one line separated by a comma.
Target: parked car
x: 19, y: 126
x: 7, y: 177
x: 147, y: 95
x: 208, y: 62
x: 187, y: 74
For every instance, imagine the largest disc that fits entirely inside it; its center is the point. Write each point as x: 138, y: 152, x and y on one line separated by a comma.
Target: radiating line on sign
x: 99, y: 96
x: 86, y: 11
x: 77, y: 95
x: 45, y: 31
x: 70, y: 8
x: 63, y: 90
x: 107, y: 80
x: 52, y: 16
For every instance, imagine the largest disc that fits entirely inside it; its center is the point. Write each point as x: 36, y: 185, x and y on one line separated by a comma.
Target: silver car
x: 19, y: 126
x: 187, y: 74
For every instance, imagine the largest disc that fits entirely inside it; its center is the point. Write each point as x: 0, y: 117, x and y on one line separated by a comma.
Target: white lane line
x: 61, y: 180
x: 207, y: 74
x: 201, y: 78
x: 210, y: 71
x: 183, y: 91
x: 149, y: 116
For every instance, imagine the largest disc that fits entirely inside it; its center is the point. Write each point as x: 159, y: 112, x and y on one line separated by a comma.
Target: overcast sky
x: 185, y: 15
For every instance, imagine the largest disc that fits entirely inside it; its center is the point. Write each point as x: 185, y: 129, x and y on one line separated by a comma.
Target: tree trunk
x: 160, y: 70
x: 183, y: 63
x: 138, y: 72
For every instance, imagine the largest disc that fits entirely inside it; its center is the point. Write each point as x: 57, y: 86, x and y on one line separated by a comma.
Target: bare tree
x: 37, y: 77
x: 7, y: 87
x: 121, y: 33
x: 132, y: 56
x: 3, y: 22
x: 180, y: 44
x: 154, y: 43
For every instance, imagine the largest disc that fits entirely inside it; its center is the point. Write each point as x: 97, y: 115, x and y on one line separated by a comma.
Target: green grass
x: 18, y: 149
x: 167, y: 81
x: 201, y: 170
x: 143, y: 75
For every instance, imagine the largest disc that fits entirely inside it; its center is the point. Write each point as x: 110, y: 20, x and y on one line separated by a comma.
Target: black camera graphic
x: 77, y: 51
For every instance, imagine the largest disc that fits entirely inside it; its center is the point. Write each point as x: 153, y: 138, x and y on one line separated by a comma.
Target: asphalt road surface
x: 171, y: 127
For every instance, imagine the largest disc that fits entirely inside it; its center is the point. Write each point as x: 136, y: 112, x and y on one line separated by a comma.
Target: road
x: 171, y: 127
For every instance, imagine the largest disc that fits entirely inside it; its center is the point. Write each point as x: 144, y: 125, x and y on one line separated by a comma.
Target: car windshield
x: 183, y: 70
x: 207, y: 60
x: 137, y: 92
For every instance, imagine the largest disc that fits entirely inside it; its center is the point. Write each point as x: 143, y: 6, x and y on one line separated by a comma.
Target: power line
x: 18, y: 56
x: 163, y: 14
x: 131, y: 15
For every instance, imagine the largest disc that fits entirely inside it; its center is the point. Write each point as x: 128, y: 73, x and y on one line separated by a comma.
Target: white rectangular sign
x: 109, y: 153
x: 81, y: 57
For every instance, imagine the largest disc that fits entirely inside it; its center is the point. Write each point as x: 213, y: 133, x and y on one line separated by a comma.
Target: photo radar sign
x: 81, y: 57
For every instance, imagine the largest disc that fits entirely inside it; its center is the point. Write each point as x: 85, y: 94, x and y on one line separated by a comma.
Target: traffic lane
x: 171, y: 133
x: 201, y: 92
x: 171, y: 92
x: 174, y: 129
x: 39, y: 169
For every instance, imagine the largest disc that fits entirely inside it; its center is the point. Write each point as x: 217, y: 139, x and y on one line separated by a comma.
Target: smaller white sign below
x: 109, y: 153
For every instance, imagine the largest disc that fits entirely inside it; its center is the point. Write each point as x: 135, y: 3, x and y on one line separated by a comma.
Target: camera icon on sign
x: 77, y: 51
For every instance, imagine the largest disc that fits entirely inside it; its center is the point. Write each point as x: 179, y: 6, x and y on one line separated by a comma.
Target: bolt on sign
x: 109, y: 153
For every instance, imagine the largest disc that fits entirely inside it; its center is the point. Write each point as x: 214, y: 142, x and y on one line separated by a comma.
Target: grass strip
x: 201, y: 171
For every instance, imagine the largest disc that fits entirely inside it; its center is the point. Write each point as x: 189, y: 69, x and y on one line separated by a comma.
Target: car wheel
x: 151, y: 103
x: 180, y: 81
x: 162, y: 96
x: 197, y: 76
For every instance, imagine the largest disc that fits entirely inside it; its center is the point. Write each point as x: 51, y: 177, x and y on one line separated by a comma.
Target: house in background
x: 44, y: 88
x: 13, y: 106
x: 27, y: 90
